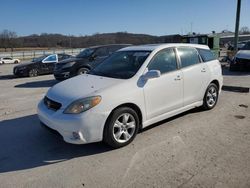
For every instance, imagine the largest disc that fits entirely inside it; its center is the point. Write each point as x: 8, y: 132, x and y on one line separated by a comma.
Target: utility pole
x: 237, y: 23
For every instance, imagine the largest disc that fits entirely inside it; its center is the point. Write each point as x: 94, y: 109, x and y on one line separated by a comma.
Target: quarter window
x: 206, y: 55
x: 51, y: 58
x: 189, y: 56
x: 164, y: 61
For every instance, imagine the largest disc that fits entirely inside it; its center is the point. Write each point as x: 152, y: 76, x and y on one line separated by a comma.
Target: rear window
x: 206, y: 55
x: 188, y: 55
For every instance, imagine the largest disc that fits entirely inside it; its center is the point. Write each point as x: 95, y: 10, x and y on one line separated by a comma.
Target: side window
x: 113, y: 49
x: 62, y: 57
x: 189, y: 56
x: 164, y: 61
x: 101, y: 52
x: 206, y: 55
x: 51, y: 58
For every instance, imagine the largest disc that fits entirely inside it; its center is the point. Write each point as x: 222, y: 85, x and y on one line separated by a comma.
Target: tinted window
x: 62, y: 57
x: 164, y: 61
x: 206, y: 55
x: 189, y: 56
x: 123, y: 64
x: 101, y: 52
x: 113, y: 49
x: 85, y: 53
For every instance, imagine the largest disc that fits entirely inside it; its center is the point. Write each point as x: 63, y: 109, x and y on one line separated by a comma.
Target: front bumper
x: 81, y: 128
x: 18, y: 72
x: 241, y: 64
x: 61, y: 75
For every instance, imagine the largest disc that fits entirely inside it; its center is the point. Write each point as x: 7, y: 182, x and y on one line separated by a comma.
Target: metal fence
x: 37, y: 53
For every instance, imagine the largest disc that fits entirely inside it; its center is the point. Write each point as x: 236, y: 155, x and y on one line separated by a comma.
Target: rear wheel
x: 16, y: 62
x: 211, y: 97
x: 121, y: 128
x: 33, y: 73
x: 82, y: 71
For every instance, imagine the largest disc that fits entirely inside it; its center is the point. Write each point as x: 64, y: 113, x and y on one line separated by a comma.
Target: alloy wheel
x: 124, y: 128
x: 211, y: 97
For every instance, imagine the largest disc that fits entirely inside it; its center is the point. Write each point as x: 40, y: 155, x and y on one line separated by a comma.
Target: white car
x: 130, y: 90
x: 7, y: 60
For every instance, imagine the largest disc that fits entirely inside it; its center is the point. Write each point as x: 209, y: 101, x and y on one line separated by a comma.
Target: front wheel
x: 121, y: 128
x: 211, y: 97
x: 82, y: 71
x: 33, y: 73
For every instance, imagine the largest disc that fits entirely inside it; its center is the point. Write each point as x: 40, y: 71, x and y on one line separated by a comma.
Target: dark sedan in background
x: 84, y: 61
x: 38, y: 66
x: 241, y: 61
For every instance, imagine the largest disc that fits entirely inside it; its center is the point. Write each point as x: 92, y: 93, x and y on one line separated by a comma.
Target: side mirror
x: 152, y: 74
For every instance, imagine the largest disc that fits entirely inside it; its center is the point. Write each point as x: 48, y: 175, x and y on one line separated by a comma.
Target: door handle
x: 178, y: 78
x: 203, y: 70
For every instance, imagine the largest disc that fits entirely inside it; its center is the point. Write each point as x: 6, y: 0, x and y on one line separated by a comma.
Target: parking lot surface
x: 194, y: 149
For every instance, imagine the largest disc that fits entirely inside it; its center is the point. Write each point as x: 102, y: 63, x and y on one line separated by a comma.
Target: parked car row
x: 130, y: 90
x: 84, y: 61
x: 65, y: 66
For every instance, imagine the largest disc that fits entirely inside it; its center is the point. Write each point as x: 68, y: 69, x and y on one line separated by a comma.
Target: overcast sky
x: 86, y: 17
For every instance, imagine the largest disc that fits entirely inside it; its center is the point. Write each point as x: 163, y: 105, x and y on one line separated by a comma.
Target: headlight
x: 68, y: 65
x: 82, y: 105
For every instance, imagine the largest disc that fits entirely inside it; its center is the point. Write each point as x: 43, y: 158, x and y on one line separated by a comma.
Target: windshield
x: 85, y: 53
x: 39, y: 58
x: 122, y: 65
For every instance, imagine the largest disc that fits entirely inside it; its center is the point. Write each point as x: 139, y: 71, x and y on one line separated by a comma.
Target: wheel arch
x: 130, y: 105
x: 216, y: 82
x: 83, y: 66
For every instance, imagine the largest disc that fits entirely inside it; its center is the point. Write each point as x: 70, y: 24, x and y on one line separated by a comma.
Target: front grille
x: 53, y: 105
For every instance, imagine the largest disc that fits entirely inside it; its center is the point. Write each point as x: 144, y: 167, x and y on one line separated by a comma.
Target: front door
x: 164, y: 94
x: 48, y: 64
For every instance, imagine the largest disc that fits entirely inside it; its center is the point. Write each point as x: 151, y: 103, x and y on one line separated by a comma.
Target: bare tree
x: 7, y: 39
x: 244, y: 30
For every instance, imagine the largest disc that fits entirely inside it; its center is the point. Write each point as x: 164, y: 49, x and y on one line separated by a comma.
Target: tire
x: 16, y: 62
x: 82, y: 71
x: 211, y: 97
x: 3, y: 62
x: 126, y: 129
x: 33, y: 72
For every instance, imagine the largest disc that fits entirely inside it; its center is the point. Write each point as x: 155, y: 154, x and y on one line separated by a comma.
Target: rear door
x: 164, y: 94
x: 195, y: 75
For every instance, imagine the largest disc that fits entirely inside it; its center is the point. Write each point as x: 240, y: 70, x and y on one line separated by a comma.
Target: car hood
x: 79, y: 87
x: 243, y: 54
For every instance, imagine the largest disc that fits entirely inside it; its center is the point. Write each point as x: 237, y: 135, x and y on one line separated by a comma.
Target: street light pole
x: 237, y: 23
